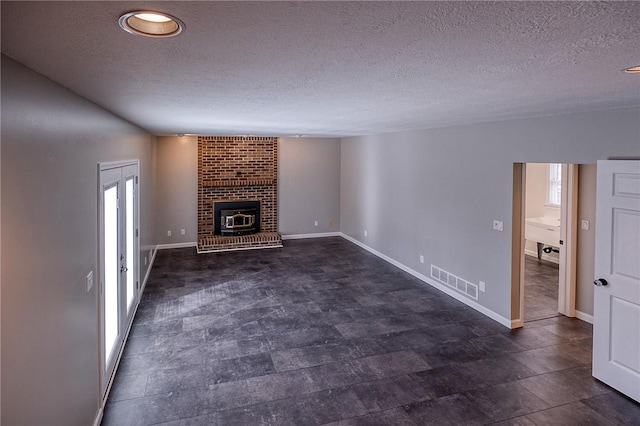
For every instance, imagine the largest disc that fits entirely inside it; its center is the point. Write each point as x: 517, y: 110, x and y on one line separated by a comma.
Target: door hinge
x: 137, y: 234
x: 136, y: 179
x: 138, y: 285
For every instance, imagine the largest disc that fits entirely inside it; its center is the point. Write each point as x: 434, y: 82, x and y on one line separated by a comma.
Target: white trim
x: 98, y: 419
x: 584, y: 317
x: 152, y: 258
x: 545, y: 256
x: 478, y: 307
x: 316, y: 235
x: 106, y: 165
x: 175, y: 245
x: 119, y: 355
x: 238, y: 249
x: 518, y: 242
x: 568, y: 259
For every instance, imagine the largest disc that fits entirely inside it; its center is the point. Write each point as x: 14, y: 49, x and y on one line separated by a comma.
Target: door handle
x: 601, y: 282
x: 123, y: 269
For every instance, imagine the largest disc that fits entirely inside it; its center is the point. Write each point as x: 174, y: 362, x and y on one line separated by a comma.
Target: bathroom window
x: 555, y: 185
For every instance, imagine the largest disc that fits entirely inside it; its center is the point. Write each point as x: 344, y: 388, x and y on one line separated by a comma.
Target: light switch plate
x: 585, y: 225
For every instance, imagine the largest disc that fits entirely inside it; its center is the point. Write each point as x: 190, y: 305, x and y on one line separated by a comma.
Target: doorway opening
x: 544, y: 241
x: 543, y: 203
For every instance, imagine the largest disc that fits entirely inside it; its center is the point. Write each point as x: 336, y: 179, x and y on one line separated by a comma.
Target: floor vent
x: 457, y: 283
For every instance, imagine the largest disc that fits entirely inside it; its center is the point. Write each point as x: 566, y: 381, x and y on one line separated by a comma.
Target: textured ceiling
x: 334, y: 68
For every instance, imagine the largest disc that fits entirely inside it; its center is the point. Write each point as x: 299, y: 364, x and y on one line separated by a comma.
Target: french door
x: 119, y: 246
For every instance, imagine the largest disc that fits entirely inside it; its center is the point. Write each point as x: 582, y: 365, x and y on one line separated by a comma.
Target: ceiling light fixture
x: 632, y: 70
x: 151, y: 24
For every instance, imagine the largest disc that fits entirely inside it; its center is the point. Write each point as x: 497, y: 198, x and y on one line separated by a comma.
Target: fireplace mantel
x: 228, y: 183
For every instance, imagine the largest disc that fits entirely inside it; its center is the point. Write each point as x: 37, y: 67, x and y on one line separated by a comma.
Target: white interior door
x: 119, y: 246
x: 616, y: 331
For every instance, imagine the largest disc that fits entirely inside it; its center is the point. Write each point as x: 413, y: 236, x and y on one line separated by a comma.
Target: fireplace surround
x: 237, y: 170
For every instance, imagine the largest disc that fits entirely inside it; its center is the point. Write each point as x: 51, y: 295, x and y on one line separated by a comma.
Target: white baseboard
x: 478, y: 307
x: 152, y: 258
x: 545, y: 256
x: 98, y: 419
x: 584, y: 317
x: 316, y: 235
x: 175, y: 245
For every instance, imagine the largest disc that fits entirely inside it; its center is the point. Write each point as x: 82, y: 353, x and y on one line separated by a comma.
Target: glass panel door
x: 130, y: 219
x: 118, y: 256
x: 111, y: 275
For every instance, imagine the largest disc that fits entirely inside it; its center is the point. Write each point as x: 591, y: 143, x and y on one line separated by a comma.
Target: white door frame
x: 105, y: 381
x: 569, y: 218
x: 568, y: 235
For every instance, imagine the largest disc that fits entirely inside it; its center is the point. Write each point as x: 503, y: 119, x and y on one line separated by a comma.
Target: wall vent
x: 457, y: 283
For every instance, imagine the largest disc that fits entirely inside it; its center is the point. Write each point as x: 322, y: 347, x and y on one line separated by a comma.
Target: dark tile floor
x: 540, y: 289
x: 322, y: 332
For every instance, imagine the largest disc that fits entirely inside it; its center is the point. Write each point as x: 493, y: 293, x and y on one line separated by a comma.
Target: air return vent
x: 457, y: 283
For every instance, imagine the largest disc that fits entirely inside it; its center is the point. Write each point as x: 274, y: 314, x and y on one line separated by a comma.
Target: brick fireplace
x: 237, y: 169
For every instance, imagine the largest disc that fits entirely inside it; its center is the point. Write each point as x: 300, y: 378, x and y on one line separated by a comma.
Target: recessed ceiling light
x: 151, y: 24
x: 632, y: 70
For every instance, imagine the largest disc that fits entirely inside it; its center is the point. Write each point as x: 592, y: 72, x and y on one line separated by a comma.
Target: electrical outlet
x: 182, y: 232
x: 315, y: 223
x: 366, y: 233
x: 421, y: 259
x: 585, y: 225
x: 89, y: 281
x: 498, y: 225
x: 168, y: 233
x: 481, y: 285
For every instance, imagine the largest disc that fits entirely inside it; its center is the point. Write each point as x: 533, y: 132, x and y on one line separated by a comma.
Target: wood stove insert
x: 232, y: 218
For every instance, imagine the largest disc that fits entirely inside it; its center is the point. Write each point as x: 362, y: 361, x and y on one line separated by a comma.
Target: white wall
x: 309, y: 185
x: 436, y: 192
x: 52, y: 141
x: 537, y: 179
x: 537, y: 184
x: 177, y: 189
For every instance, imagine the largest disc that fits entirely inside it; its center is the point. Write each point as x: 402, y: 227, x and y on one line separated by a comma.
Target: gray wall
x: 586, y: 247
x: 308, y: 178
x: 177, y: 189
x: 309, y: 185
x: 447, y: 185
x: 52, y: 141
